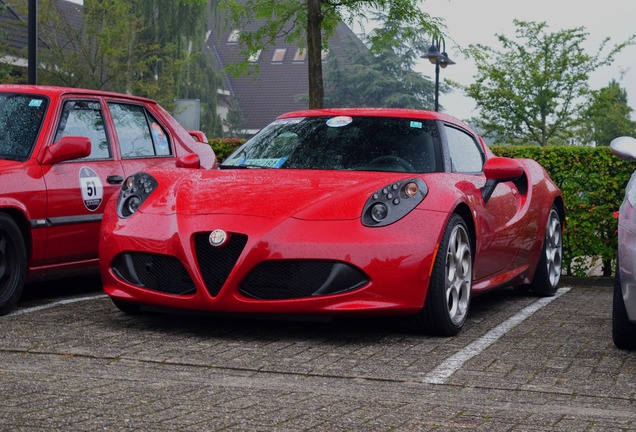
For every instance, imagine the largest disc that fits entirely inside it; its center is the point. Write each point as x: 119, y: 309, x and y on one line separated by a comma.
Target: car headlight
x: 134, y: 192
x: 393, y: 202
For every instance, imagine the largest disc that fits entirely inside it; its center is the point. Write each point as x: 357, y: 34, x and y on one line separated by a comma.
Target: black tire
x: 623, y: 331
x: 548, y: 274
x: 127, y: 307
x: 13, y: 263
x: 448, y: 297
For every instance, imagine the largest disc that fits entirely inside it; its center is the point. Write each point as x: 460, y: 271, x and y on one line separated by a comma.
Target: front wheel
x: 13, y: 263
x: 448, y: 297
x: 548, y: 274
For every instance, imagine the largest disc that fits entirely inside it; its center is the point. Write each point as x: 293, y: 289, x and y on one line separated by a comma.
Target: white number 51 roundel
x: 92, y: 188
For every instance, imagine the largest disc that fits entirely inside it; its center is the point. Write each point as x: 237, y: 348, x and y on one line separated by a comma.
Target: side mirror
x: 502, y: 169
x: 624, y: 147
x: 498, y: 170
x: 190, y: 160
x: 67, y: 148
x: 198, y: 136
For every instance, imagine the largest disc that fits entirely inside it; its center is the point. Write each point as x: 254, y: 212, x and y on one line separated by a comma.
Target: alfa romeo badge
x: 218, y: 237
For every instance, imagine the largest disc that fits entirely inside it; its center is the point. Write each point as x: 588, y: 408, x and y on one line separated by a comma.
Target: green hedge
x: 593, y: 182
x: 223, y: 147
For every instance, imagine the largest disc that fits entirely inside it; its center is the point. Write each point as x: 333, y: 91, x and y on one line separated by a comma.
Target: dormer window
x: 279, y: 55
x: 254, y: 57
x: 300, y: 55
x: 234, y: 36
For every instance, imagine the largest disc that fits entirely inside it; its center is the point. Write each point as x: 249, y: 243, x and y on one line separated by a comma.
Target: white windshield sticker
x: 339, y: 121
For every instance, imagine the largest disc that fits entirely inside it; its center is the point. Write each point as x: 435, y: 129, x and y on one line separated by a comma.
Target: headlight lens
x: 134, y: 192
x: 379, y: 212
x: 393, y: 202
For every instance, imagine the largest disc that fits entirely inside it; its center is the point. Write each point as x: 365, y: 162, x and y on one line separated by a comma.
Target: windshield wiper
x: 241, y: 166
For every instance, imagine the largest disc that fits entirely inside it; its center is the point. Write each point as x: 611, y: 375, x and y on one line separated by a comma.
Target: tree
x: 306, y: 22
x: 534, y: 89
x: 5, y: 69
x: 235, y: 120
x: 608, y: 115
x: 140, y: 47
x: 383, y: 79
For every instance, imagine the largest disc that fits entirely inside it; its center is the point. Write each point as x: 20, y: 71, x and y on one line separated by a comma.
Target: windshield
x: 20, y: 119
x: 342, y: 143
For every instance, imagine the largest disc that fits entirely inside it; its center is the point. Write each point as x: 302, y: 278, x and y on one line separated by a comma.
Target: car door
x: 498, y: 228
x: 78, y: 190
x: 143, y: 141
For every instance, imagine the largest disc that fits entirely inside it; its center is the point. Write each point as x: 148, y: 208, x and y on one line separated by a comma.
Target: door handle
x: 115, y: 179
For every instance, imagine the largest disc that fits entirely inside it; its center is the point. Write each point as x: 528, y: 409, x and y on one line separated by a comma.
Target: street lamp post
x: 436, y: 54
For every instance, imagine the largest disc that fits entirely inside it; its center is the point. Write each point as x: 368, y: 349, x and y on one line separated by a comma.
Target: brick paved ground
x: 87, y: 366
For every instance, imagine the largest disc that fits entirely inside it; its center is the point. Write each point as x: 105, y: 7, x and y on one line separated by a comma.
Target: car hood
x: 303, y: 194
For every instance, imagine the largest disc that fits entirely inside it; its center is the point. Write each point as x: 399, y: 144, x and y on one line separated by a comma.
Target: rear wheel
x: 548, y: 274
x: 13, y: 263
x: 448, y: 297
x: 623, y: 331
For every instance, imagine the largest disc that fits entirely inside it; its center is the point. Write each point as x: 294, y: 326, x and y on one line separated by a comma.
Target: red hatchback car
x: 338, y: 212
x: 63, y: 153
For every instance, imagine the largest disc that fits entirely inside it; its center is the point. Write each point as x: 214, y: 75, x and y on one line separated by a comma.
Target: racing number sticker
x: 92, y: 188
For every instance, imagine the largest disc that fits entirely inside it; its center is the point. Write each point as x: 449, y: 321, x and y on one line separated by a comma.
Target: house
x: 14, y: 31
x: 281, y: 84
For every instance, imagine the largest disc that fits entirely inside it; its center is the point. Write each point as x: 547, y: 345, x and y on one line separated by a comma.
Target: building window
x: 234, y: 36
x: 324, y: 54
x: 279, y: 55
x: 254, y: 57
x: 300, y: 55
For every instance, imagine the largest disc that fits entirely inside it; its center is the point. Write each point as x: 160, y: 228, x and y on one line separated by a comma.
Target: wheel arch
x: 25, y: 228
x: 465, y: 213
x: 560, y: 207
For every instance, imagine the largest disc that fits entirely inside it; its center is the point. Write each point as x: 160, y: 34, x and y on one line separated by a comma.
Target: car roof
x: 377, y: 112
x: 55, y: 91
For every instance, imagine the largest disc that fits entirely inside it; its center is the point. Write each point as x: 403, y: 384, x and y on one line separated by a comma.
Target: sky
x: 478, y: 21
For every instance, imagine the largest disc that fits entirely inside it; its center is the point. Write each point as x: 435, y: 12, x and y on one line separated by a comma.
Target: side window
x: 139, y: 134
x: 84, y: 118
x: 465, y: 154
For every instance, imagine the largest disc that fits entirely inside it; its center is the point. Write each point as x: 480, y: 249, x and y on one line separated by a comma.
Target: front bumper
x: 320, y: 267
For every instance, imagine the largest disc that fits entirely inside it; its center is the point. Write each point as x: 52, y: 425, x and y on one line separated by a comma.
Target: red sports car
x: 338, y: 212
x: 63, y: 153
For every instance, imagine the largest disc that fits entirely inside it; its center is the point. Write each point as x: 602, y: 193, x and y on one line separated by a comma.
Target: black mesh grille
x: 287, y: 279
x: 156, y: 272
x: 216, y: 263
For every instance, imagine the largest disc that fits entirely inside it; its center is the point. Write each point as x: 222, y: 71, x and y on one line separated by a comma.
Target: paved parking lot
x: 70, y: 360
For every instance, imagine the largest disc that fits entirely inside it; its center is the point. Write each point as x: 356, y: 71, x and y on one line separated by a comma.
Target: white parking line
x: 441, y: 373
x: 57, y: 303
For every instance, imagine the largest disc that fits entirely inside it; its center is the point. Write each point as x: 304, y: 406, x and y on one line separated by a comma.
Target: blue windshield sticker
x: 339, y: 121
x: 35, y: 102
x: 416, y: 124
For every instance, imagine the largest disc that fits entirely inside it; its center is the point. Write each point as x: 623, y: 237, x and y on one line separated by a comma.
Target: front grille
x: 155, y: 272
x: 216, y: 263
x: 289, y: 279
